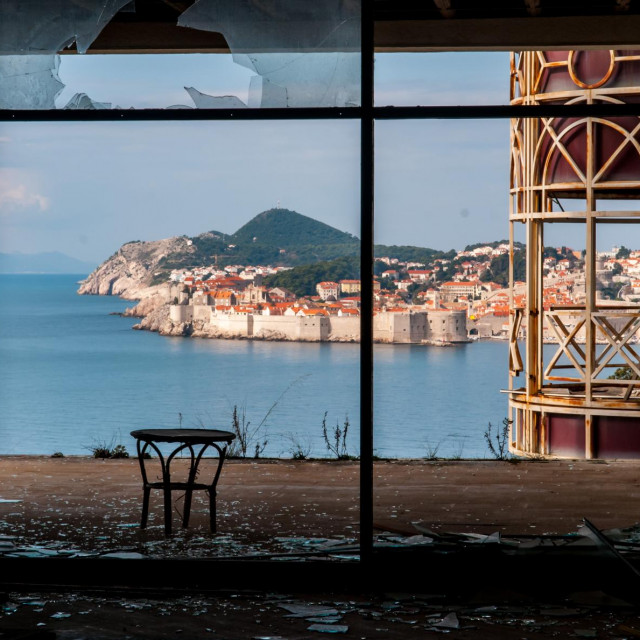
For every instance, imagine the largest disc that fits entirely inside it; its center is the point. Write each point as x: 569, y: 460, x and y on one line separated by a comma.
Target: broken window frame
x: 179, y: 574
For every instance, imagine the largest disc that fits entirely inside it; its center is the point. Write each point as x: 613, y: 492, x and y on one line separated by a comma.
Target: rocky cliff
x: 129, y: 272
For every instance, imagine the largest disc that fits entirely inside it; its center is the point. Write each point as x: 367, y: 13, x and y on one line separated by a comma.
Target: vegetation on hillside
x: 409, y: 253
x: 612, y: 291
x: 498, y: 270
x: 289, y: 230
x: 280, y: 237
x: 302, y: 280
x: 560, y: 253
x: 317, y: 252
x: 623, y: 252
x: 277, y: 237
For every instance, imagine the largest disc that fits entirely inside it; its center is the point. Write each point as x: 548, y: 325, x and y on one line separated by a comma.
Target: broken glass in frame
x: 301, y: 54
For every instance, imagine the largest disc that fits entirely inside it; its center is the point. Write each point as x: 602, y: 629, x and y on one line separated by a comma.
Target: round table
x: 186, y: 440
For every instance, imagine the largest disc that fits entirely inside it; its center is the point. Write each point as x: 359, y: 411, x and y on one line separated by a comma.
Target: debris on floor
x: 268, y: 616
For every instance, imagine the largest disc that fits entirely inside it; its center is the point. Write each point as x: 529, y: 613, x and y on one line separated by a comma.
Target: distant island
x: 285, y: 276
x: 47, y: 262
x: 281, y: 276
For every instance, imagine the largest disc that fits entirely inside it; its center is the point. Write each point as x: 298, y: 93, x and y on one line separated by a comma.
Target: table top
x: 186, y: 436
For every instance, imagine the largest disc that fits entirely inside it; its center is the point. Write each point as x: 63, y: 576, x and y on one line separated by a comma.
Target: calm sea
x: 72, y: 376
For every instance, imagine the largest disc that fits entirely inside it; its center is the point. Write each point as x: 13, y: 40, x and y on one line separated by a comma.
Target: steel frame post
x: 366, y: 279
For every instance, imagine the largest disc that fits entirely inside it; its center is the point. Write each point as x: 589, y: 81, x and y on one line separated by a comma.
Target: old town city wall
x: 393, y: 327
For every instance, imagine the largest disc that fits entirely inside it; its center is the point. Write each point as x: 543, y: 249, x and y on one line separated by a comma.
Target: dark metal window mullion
x: 366, y: 112
x: 366, y: 280
x: 180, y: 115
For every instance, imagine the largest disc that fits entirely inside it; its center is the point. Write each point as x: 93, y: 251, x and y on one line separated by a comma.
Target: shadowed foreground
x: 78, y: 506
x: 95, y: 505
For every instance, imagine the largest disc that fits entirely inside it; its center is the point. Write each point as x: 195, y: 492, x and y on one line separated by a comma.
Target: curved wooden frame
x: 591, y: 339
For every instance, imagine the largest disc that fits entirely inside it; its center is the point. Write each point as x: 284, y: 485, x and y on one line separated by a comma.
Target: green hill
x: 277, y: 237
x: 281, y: 237
x: 289, y: 230
x: 409, y: 253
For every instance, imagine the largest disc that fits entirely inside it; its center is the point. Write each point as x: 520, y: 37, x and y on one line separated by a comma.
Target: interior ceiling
x: 432, y: 9
x: 479, y: 9
x: 411, y: 25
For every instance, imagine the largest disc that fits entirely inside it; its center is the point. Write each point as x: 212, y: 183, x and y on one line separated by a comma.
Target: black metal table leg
x: 193, y: 473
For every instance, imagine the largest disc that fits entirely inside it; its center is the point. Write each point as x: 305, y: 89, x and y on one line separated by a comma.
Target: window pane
x: 223, y: 240
x: 284, y: 54
x: 441, y: 221
x: 447, y: 78
x: 442, y: 228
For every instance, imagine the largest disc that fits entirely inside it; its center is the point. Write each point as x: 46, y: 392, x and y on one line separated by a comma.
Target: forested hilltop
x: 281, y: 237
x: 276, y: 237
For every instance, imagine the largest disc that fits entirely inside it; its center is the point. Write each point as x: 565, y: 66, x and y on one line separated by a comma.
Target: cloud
x: 16, y: 194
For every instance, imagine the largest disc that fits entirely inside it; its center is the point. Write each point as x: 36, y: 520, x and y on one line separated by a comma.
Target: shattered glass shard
x: 29, y: 82
x: 82, y: 101
x: 303, y: 80
x: 304, y: 54
x: 301, y: 610
x: 47, y: 26
x: 279, y: 25
x: 265, y: 93
x: 480, y: 538
x: 31, y: 35
x: 450, y: 621
x: 425, y: 530
x: 417, y: 539
x: 327, y: 620
x: 124, y: 555
x: 205, y: 101
x: 329, y: 628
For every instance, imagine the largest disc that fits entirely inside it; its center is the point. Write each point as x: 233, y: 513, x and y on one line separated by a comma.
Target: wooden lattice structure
x: 574, y: 170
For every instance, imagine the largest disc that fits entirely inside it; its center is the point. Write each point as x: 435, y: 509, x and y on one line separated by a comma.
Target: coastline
x: 158, y: 315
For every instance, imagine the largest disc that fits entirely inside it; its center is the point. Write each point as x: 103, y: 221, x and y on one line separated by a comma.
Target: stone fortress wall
x: 442, y: 326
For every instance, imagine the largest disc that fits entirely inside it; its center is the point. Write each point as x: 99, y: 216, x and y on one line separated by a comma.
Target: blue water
x: 72, y: 376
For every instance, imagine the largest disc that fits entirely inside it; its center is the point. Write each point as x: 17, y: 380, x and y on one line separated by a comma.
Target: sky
x: 86, y: 188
